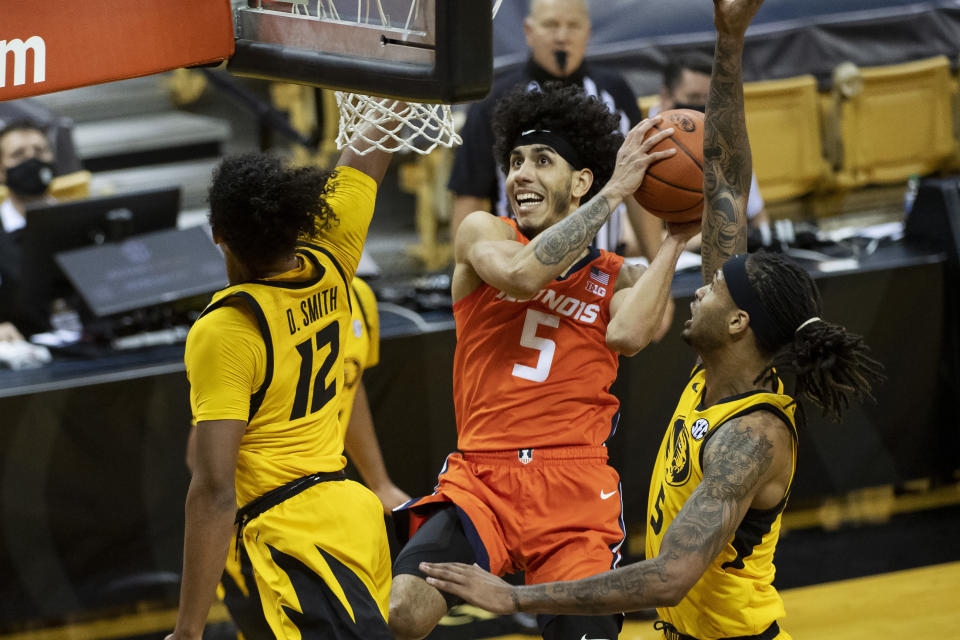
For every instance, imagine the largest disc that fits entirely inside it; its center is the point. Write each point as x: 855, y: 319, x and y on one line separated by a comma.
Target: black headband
x: 746, y: 298
x: 555, y: 141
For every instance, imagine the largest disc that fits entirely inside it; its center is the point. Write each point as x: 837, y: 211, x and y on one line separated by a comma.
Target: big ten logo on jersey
x: 568, y: 306
x: 312, y: 309
x: 20, y: 49
x: 678, y: 454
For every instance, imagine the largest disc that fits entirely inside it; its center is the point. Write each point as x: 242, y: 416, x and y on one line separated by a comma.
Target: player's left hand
x: 473, y: 584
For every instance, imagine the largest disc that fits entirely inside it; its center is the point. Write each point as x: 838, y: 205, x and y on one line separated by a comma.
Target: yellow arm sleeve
x: 352, y: 200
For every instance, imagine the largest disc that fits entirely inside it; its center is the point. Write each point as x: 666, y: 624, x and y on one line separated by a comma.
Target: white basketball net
x: 414, y: 126
x: 392, y: 125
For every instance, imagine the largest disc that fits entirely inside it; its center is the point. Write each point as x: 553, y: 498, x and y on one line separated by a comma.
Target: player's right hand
x: 473, y: 584
x: 635, y: 156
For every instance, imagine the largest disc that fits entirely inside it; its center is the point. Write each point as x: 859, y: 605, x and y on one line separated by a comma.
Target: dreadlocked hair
x: 261, y: 206
x: 585, y: 122
x: 830, y: 365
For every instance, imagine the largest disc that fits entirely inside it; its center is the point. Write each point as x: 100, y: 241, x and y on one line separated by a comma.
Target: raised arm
x: 727, y: 164
x: 747, y: 458
x: 365, y: 156
x: 374, y: 163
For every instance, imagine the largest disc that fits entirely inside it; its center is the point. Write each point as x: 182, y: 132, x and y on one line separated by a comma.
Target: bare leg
x: 415, y: 607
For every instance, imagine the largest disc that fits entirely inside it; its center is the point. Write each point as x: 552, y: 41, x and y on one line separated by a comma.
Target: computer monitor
x: 56, y: 227
x: 144, y: 271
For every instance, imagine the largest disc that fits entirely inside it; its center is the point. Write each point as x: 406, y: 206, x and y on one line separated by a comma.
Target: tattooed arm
x: 746, y: 463
x: 727, y: 164
x: 485, y: 249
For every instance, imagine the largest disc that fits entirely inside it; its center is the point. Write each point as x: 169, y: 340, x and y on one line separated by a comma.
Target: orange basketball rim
x: 53, y: 46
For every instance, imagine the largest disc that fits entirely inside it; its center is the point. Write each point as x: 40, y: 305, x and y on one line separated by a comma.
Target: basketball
x: 672, y: 189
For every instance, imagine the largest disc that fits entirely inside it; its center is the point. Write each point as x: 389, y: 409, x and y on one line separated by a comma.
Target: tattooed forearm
x: 570, y: 236
x: 727, y: 164
x: 734, y: 463
x: 637, y: 586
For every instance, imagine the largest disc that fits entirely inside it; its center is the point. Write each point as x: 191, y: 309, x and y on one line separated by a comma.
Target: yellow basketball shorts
x: 316, y: 565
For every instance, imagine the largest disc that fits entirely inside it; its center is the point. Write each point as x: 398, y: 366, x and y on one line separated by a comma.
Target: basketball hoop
x: 417, y: 127
x: 415, y: 56
x: 397, y: 126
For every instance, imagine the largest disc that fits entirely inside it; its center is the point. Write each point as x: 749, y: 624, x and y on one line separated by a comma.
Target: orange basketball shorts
x: 555, y: 513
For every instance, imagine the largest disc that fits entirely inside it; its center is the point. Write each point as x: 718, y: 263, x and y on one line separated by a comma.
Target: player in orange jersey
x: 728, y: 457
x: 541, y: 319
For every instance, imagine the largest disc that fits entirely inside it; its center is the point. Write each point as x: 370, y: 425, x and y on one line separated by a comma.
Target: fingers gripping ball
x: 672, y: 189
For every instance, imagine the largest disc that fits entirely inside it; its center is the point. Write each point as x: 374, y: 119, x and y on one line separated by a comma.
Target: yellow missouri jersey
x: 362, y: 349
x: 270, y: 352
x: 735, y: 596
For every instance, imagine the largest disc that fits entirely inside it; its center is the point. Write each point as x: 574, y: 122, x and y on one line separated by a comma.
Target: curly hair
x: 829, y: 363
x: 261, y: 206
x: 585, y: 122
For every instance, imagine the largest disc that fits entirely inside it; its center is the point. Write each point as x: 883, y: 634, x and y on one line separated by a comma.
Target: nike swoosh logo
x: 585, y: 635
x: 695, y: 386
x: 603, y: 496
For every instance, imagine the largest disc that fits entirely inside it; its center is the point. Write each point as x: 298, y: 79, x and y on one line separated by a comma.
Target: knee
x: 413, y: 612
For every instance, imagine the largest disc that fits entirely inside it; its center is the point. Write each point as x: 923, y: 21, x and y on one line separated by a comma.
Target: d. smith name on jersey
x: 312, y: 309
x: 564, y: 305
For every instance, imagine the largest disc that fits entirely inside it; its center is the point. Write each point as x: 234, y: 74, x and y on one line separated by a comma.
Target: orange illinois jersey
x: 537, y: 372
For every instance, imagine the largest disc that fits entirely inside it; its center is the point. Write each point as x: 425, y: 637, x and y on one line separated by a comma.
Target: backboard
x: 423, y: 50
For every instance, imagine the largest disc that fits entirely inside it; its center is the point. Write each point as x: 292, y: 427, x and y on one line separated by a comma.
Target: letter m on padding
x: 19, y: 49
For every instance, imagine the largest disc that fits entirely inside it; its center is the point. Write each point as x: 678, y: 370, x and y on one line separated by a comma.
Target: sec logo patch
x: 699, y: 429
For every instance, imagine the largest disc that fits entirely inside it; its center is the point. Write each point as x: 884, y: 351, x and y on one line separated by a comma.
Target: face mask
x: 30, y: 178
x: 702, y: 108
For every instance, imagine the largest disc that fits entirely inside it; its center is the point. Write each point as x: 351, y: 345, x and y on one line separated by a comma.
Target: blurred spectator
x: 59, y: 131
x: 557, y: 32
x: 26, y: 169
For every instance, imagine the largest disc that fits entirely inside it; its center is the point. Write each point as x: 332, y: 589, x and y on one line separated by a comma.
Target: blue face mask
x: 30, y: 178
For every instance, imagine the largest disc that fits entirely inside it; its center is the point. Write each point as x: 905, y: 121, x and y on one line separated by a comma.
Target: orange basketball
x: 672, y: 189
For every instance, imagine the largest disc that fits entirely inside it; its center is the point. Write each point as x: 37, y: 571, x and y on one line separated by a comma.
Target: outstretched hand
x: 635, y: 156
x: 732, y: 17
x: 473, y: 584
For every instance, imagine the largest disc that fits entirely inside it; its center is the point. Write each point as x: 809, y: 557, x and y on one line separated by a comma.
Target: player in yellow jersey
x: 266, y: 369
x: 361, y: 351
x: 724, y: 470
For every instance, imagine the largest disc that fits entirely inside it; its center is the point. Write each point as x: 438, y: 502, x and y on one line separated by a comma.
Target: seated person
x: 26, y: 169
